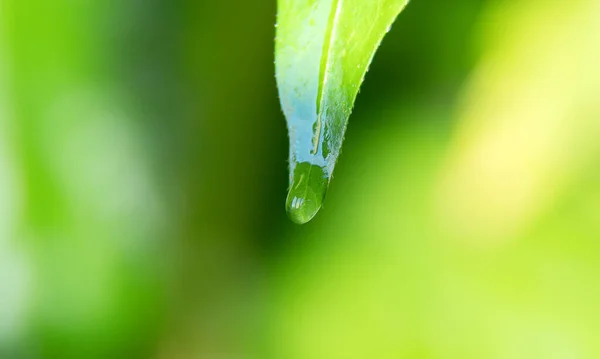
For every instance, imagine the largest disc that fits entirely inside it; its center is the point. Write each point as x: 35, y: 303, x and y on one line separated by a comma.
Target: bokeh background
x: 143, y: 176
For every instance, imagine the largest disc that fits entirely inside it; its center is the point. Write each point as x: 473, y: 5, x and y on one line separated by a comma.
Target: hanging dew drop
x: 307, y: 191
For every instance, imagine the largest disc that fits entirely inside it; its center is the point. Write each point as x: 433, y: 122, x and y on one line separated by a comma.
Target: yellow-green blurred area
x: 143, y: 174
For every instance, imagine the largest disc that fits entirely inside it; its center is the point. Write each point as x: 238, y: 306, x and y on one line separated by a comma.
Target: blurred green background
x: 143, y: 176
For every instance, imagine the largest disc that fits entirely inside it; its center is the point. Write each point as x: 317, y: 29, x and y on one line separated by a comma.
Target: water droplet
x: 307, y: 191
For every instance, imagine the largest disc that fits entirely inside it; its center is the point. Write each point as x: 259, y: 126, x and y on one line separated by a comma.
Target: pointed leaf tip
x: 323, y: 49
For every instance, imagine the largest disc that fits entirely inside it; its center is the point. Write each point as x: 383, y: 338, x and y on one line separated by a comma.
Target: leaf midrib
x: 336, y: 6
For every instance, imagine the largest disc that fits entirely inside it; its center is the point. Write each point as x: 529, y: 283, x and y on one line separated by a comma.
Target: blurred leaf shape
x: 323, y: 50
x: 85, y: 213
x: 529, y: 124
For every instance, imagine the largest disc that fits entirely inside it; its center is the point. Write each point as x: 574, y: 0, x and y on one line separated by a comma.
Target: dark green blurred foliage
x: 143, y: 176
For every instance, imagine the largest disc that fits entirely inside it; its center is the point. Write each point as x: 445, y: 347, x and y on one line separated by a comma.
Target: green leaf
x: 322, y: 52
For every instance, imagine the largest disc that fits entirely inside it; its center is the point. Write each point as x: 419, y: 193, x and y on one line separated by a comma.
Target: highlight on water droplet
x: 307, y: 190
